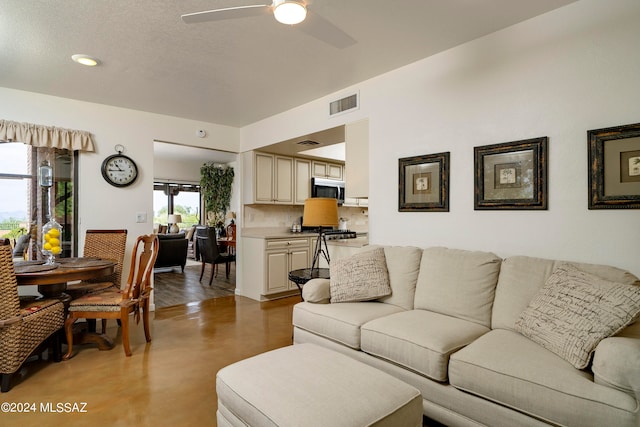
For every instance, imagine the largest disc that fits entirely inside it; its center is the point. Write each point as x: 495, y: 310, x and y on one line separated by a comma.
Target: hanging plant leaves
x: 215, y: 185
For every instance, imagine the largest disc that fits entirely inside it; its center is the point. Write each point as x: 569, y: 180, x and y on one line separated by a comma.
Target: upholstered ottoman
x: 307, y: 385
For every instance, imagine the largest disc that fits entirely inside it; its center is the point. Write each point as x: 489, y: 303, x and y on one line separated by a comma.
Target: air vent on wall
x: 345, y: 104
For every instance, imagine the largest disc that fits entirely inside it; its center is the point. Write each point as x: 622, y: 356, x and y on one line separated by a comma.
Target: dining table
x: 228, y: 242
x: 51, y: 280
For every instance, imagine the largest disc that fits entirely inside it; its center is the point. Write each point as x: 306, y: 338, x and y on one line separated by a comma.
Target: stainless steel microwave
x: 331, y: 188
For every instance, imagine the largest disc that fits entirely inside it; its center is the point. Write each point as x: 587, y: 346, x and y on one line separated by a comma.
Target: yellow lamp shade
x: 320, y: 212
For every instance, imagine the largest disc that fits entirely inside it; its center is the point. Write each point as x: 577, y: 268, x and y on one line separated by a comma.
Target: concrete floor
x: 169, y: 382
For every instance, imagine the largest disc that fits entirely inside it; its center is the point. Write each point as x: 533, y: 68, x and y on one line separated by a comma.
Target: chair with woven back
x: 24, y: 325
x: 119, y: 304
x: 104, y: 244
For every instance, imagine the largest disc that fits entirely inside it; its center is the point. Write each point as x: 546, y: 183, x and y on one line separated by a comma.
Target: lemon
x: 54, y: 241
x: 47, y: 246
x: 56, y: 250
x: 54, y: 232
x: 47, y: 237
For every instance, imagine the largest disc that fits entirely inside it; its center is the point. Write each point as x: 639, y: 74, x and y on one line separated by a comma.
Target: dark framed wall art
x: 511, y: 175
x: 424, y: 183
x: 614, y: 167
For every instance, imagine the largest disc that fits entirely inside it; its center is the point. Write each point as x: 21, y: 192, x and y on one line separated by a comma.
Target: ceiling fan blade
x: 228, y: 13
x: 318, y: 27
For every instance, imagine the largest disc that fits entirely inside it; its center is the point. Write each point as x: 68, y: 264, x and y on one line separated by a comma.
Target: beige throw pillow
x: 576, y: 310
x: 360, y: 277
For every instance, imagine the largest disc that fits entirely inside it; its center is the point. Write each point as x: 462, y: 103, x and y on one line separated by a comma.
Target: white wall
x: 557, y: 75
x: 183, y: 171
x: 100, y: 204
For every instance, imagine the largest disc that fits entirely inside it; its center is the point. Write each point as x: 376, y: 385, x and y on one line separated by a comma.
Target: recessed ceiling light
x: 85, y: 60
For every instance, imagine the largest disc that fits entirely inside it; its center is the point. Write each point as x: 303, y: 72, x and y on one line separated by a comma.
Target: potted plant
x: 216, y: 181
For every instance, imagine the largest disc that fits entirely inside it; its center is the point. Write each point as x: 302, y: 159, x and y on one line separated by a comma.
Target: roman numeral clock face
x: 119, y: 170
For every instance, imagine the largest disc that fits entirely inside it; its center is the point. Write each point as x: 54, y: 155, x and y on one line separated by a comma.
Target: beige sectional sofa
x: 453, y: 328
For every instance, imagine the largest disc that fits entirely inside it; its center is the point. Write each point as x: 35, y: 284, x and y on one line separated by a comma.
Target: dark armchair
x: 172, y: 251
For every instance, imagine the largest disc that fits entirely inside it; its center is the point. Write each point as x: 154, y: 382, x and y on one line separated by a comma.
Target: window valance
x: 46, y: 136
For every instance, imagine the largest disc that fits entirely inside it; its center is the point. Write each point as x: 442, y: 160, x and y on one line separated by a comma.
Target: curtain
x: 46, y: 136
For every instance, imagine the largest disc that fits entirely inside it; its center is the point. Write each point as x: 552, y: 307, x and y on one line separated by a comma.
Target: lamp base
x: 320, y: 251
x: 174, y: 229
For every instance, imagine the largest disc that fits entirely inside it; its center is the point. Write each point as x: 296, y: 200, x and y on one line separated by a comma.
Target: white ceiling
x: 231, y: 72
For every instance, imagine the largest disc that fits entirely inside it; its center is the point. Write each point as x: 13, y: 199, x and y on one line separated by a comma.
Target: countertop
x: 285, y: 233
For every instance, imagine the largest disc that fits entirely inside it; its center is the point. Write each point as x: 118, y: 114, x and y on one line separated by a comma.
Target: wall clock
x: 119, y: 170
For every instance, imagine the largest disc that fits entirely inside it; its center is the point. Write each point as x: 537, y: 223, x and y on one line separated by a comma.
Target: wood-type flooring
x: 173, y: 287
x: 168, y: 382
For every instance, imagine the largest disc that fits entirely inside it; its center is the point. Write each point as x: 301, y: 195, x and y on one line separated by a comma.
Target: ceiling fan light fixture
x: 289, y: 12
x: 85, y: 60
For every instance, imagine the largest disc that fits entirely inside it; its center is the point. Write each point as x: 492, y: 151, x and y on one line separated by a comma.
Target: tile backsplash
x: 284, y: 216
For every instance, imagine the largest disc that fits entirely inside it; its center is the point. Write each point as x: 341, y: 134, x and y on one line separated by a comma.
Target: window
x: 21, y: 206
x: 183, y: 199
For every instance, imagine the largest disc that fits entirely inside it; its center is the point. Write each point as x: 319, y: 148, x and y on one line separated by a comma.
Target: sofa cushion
x: 360, y: 277
x: 419, y: 340
x: 576, y: 310
x: 508, y: 368
x: 403, y: 264
x: 458, y: 283
x: 339, y: 322
x: 522, y: 277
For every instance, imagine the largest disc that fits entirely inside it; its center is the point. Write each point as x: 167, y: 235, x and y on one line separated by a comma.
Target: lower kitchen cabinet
x: 283, y: 256
x: 266, y: 271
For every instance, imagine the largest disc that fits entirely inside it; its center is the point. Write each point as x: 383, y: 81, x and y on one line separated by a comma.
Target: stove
x: 339, y: 234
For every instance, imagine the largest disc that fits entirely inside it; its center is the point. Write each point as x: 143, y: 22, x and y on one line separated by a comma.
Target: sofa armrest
x: 616, y: 362
x: 317, y: 291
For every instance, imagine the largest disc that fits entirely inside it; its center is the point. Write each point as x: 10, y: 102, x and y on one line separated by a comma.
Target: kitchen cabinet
x: 327, y: 170
x: 268, y: 178
x: 281, y: 257
x: 353, y: 202
x: 302, y: 181
x: 266, y: 275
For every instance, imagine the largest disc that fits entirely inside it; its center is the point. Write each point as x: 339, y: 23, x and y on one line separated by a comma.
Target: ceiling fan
x: 291, y: 12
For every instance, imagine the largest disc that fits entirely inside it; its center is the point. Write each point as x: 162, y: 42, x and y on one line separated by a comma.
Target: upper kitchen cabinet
x: 267, y: 178
x: 302, y: 181
x: 357, y: 159
x: 327, y: 170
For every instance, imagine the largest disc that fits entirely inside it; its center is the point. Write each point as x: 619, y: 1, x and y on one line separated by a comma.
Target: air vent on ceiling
x: 308, y: 142
x: 344, y: 104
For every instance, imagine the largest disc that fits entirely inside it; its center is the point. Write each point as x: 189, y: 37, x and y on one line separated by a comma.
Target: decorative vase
x: 51, y: 244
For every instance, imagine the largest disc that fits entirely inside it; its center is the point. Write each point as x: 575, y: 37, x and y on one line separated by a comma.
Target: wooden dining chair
x: 104, y: 244
x: 231, y: 234
x: 24, y: 325
x: 119, y: 304
x: 210, y: 252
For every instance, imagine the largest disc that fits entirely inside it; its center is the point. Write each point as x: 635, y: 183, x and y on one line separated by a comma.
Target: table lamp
x: 231, y: 216
x: 174, y: 219
x: 320, y: 212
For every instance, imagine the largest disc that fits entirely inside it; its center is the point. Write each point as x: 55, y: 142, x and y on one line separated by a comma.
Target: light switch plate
x: 141, y: 217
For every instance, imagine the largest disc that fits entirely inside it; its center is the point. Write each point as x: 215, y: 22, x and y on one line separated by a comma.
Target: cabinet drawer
x: 286, y: 243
